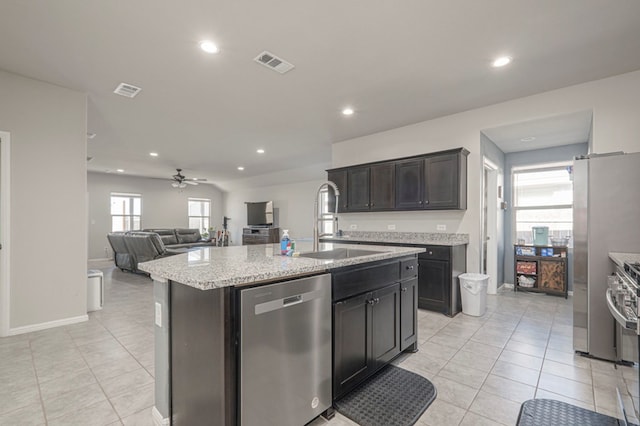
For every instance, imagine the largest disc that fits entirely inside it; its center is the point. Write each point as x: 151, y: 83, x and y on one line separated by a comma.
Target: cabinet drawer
x: 408, y: 268
x: 436, y: 252
x: 354, y: 281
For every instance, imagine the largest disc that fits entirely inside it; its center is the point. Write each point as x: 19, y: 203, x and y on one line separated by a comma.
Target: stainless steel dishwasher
x: 285, y: 352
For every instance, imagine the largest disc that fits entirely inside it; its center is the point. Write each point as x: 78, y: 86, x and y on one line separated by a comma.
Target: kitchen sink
x: 339, y: 253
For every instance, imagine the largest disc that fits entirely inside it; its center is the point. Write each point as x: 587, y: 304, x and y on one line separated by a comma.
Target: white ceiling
x: 396, y: 63
x: 547, y: 132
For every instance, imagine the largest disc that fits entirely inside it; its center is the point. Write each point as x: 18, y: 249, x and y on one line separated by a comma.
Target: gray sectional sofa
x: 131, y: 248
x: 180, y: 237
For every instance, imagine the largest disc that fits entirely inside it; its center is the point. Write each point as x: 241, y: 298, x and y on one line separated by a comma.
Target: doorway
x: 4, y: 233
x: 489, y: 225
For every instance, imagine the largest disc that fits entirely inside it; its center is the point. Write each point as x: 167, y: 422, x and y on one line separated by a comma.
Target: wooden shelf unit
x: 547, y: 265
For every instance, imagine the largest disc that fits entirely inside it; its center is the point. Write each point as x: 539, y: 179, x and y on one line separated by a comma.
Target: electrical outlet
x: 353, y: 227
x: 158, y: 314
x: 391, y: 227
x: 441, y: 227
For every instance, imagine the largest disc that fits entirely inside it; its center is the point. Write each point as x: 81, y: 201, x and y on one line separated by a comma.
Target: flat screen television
x: 260, y: 213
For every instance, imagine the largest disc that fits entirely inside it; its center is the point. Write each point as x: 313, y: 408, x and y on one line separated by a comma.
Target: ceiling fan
x: 181, y: 181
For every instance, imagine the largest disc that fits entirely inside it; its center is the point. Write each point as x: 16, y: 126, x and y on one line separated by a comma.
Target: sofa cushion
x: 188, y: 236
x: 168, y: 236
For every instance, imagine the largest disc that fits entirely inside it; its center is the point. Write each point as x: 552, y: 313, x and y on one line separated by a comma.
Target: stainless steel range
x: 622, y: 300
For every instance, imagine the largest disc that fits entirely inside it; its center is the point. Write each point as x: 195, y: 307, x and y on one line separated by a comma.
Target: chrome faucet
x: 318, y: 217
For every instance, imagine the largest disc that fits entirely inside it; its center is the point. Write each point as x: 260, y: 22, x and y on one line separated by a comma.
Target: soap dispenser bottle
x: 284, y: 242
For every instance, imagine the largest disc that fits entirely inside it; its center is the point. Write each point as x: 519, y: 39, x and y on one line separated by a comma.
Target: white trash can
x: 95, y: 290
x: 473, y: 289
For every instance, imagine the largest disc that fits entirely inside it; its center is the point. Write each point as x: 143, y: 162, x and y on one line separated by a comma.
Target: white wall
x: 293, y: 204
x: 162, y: 205
x: 615, y: 102
x: 48, y: 242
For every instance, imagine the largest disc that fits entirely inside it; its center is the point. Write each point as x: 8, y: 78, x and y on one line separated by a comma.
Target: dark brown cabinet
x: 370, y: 314
x: 408, y: 312
x: 436, y: 181
x: 409, y: 184
x: 339, y: 177
x: 438, y: 286
x: 382, y: 188
x: 445, y: 179
x: 352, y: 352
x: 358, y: 189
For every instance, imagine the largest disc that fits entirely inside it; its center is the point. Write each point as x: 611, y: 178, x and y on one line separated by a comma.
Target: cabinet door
x: 352, y: 347
x: 339, y: 177
x: 441, y: 182
x: 385, y: 328
x: 409, y: 185
x: 434, y: 285
x: 358, y: 188
x: 408, y: 313
x: 382, y: 186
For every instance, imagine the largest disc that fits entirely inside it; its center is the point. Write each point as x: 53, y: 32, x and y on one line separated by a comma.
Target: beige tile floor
x: 101, y: 372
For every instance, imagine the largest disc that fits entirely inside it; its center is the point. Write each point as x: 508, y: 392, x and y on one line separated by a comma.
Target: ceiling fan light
x: 175, y: 184
x: 182, y: 185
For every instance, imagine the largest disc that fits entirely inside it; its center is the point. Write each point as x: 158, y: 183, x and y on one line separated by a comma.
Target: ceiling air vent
x: 270, y: 60
x: 127, y: 90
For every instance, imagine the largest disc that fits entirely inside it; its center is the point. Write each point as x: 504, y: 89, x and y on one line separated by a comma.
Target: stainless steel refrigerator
x: 606, y: 218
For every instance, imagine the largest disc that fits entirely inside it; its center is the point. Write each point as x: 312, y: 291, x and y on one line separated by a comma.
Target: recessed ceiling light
x: 240, y: 168
x: 153, y: 154
x: 209, y: 46
x: 260, y: 151
x: 528, y: 139
x: 347, y: 111
x: 120, y: 170
x: 501, y: 61
x: 91, y: 135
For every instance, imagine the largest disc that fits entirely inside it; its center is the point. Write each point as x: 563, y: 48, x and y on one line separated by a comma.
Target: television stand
x: 260, y: 235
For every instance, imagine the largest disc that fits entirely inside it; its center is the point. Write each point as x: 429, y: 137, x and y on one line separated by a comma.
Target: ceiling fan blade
x: 190, y: 182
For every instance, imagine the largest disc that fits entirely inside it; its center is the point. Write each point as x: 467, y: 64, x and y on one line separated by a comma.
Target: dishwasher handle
x: 293, y: 300
x: 285, y: 302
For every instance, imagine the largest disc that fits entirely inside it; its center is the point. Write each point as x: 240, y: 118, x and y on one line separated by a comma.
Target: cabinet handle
x: 377, y: 300
x: 420, y: 202
x: 367, y: 205
x: 430, y: 253
x: 373, y: 204
x: 403, y: 289
x: 426, y: 202
x: 371, y: 302
x: 409, y: 267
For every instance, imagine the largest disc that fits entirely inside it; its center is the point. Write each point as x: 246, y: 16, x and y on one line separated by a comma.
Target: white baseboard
x: 47, y: 325
x: 158, y: 420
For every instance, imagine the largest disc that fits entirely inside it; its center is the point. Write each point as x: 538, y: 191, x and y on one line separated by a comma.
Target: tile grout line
x: 35, y: 371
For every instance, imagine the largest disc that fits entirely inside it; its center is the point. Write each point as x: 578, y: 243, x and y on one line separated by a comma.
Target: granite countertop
x: 214, y: 267
x: 620, y: 258
x: 419, y: 238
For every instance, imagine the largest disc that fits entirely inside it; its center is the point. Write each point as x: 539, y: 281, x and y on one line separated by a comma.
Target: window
x: 325, y: 226
x: 126, y: 210
x: 543, y: 196
x: 199, y: 213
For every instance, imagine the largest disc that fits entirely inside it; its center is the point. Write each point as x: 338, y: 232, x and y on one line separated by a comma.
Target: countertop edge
x: 155, y: 268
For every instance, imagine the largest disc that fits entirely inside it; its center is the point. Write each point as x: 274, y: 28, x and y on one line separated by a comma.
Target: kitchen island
x: 197, y: 317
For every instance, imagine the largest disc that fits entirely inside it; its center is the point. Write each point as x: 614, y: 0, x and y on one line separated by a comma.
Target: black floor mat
x: 543, y: 412
x: 392, y: 397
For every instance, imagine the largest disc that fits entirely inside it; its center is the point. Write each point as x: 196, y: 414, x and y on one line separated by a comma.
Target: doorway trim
x: 5, y: 237
x: 489, y: 231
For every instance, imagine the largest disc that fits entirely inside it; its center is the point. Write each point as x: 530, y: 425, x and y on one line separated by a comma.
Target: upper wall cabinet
x: 436, y: 181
